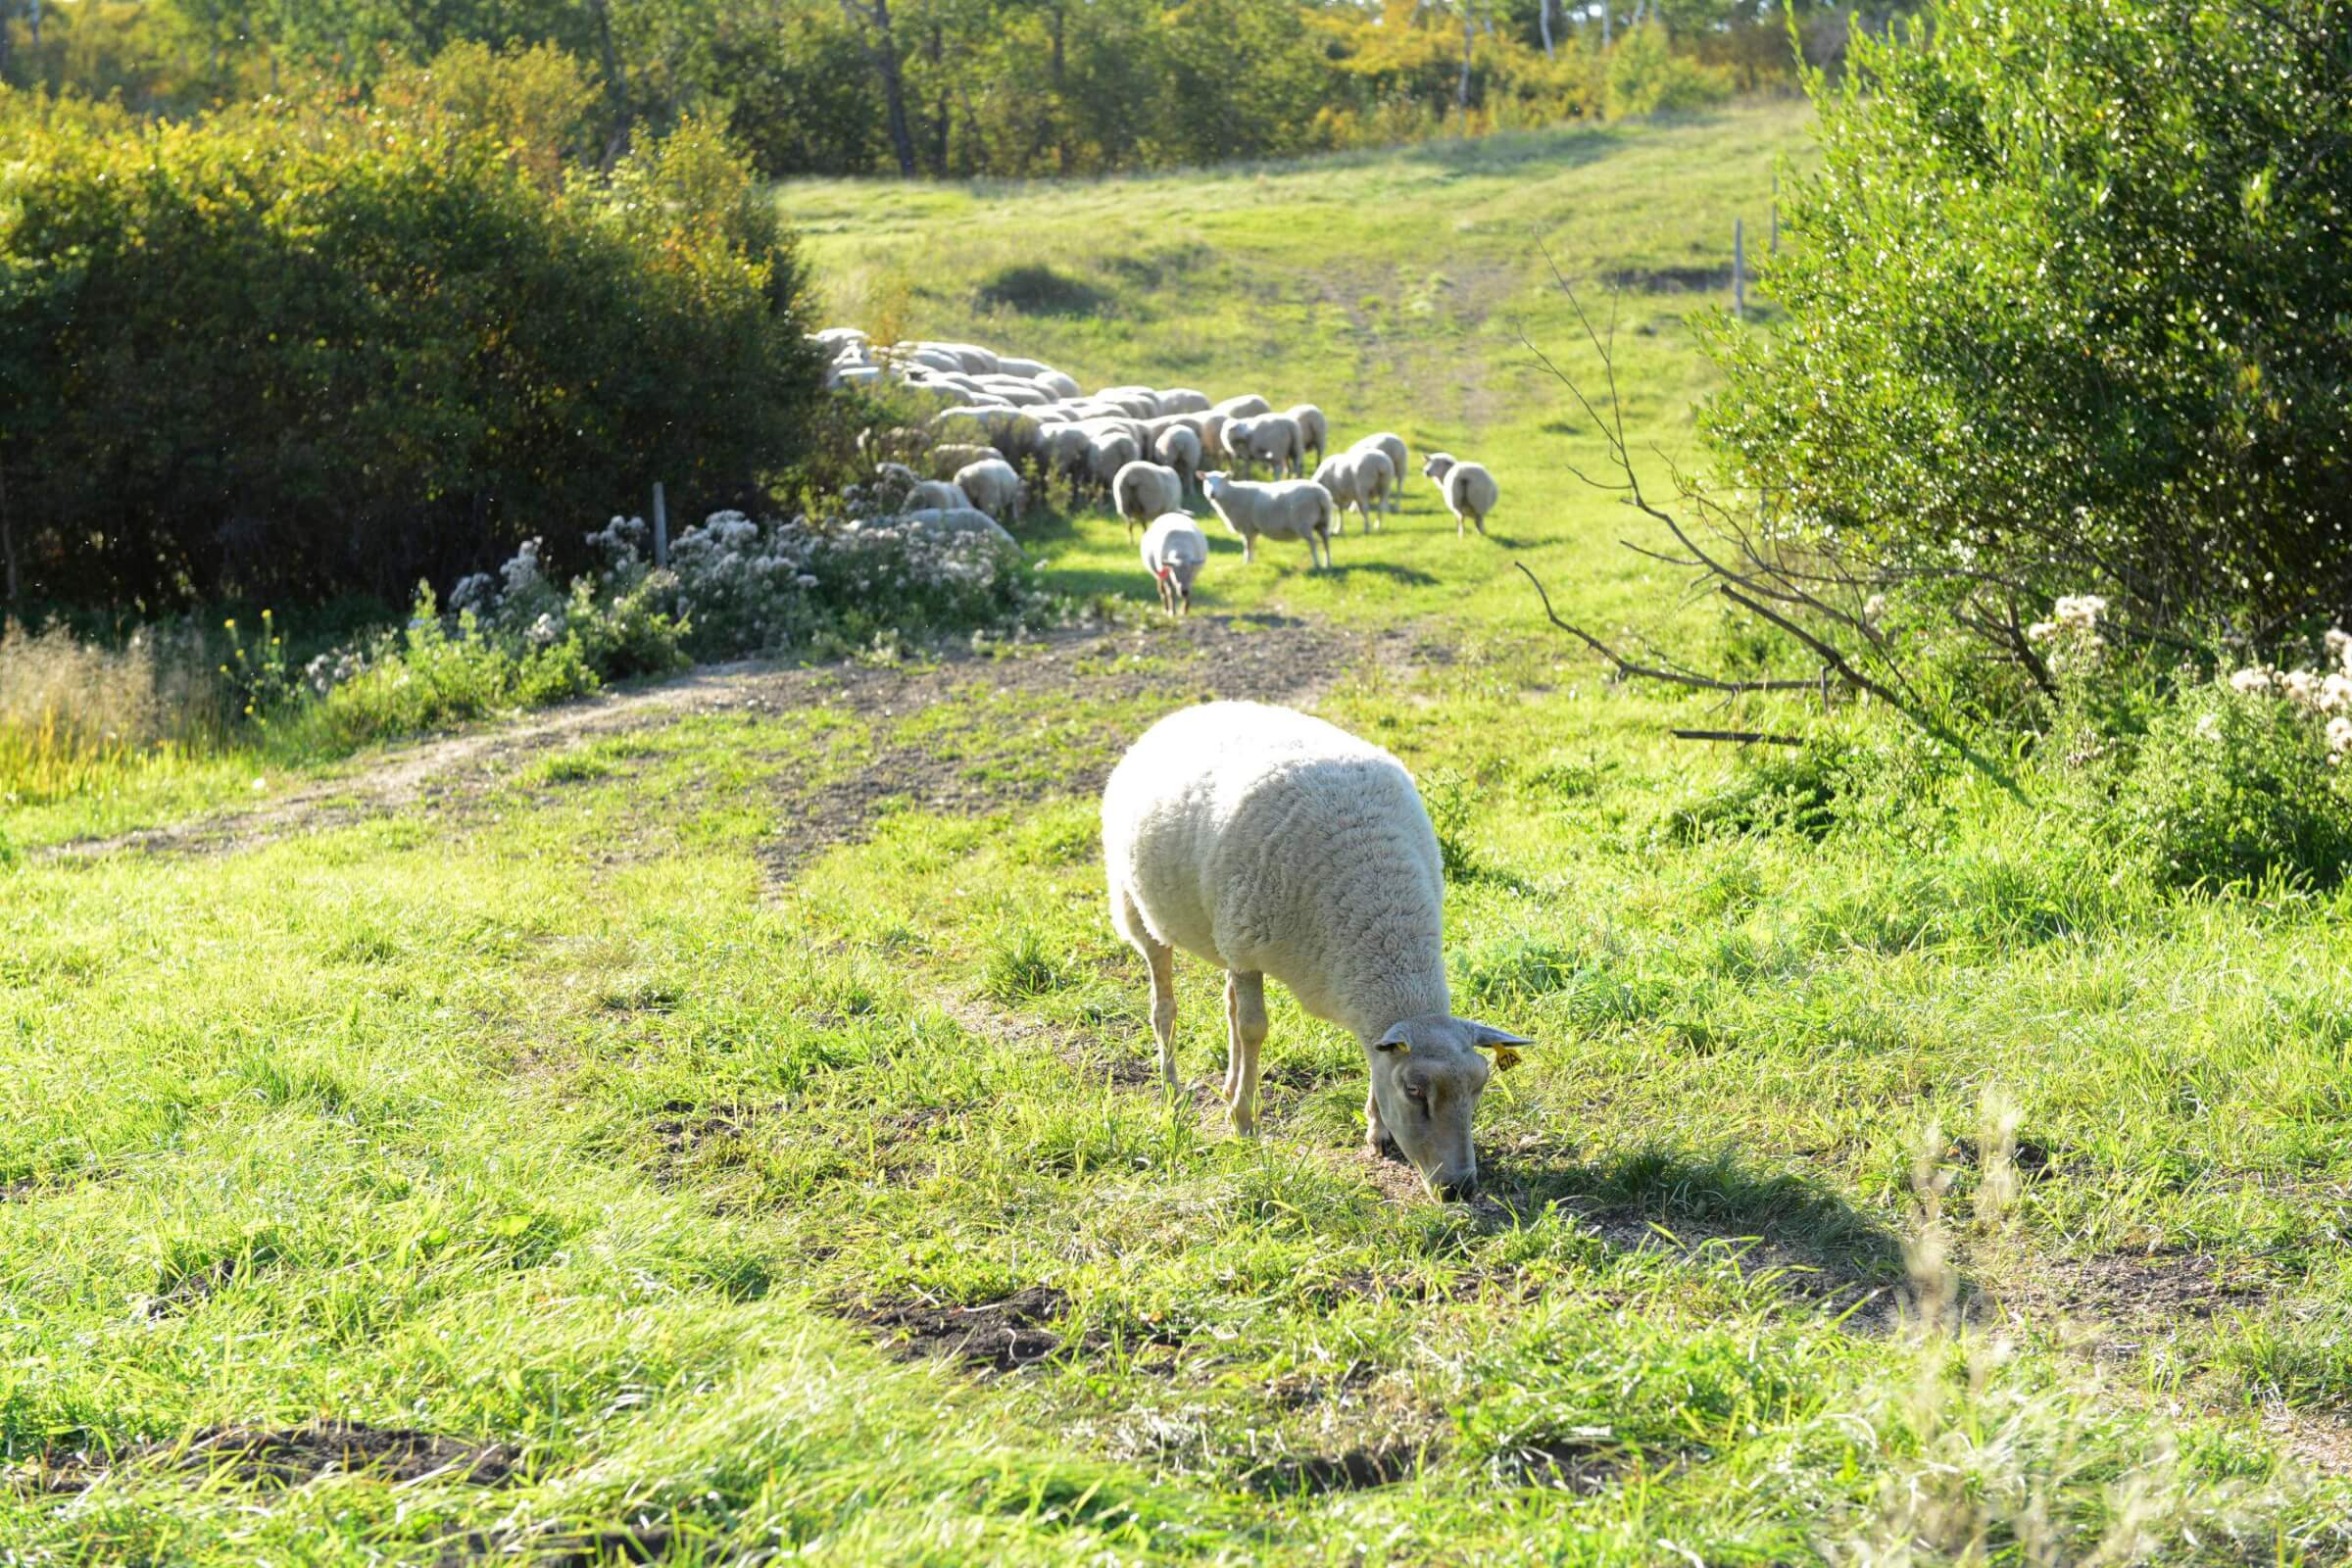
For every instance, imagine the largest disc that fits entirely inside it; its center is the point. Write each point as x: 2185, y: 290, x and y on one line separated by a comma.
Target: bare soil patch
x: 2126, y: 1298
x: 1314, y: 1475
x: 993, y: 1336
x: 292, y: 1457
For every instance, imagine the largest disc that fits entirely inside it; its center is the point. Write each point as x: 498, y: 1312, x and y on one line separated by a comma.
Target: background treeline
x: 966, y: 87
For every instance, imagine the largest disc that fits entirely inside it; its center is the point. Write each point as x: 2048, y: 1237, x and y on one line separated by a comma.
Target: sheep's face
x: 1213, y: 482
x: 1427, y: 1074
x: 1440, y: 464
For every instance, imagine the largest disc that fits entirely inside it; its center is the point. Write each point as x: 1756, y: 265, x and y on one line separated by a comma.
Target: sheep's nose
x: 1458, y: 1189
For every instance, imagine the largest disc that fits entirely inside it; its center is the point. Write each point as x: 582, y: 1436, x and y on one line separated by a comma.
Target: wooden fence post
x: 1738, y: 270
x: 660, y: 527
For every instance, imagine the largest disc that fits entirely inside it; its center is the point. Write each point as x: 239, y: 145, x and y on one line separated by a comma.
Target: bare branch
x: 1743, y: 737
x: 1626, y: 666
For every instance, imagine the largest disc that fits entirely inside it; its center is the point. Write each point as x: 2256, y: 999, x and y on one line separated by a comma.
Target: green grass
x: 560, y: 1113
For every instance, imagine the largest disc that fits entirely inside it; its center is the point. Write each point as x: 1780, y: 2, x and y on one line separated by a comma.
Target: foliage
x: 1644, y: 76
x: 357, y: 349
x: 2065, y: 311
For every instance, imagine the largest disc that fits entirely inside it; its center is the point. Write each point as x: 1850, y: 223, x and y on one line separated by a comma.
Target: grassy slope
x: 552, y: 1117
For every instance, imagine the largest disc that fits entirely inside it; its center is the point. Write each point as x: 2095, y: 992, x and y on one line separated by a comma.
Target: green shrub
x: 292, y: 350
x: 2230, y: 788
x: 1644, y: 76
x: 2068, y: 312
x: 1802, y: 789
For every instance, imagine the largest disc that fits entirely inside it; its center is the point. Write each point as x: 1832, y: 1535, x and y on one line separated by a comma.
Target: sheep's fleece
x: 1265, y: 839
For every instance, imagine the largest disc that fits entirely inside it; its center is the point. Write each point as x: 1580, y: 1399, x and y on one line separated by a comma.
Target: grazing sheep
x: 947, y: 459
x: 995, y: 487
x: 970, y: 358
x: 1469, y: 490
x: 1182, y: 400
x: 1271, y: 437
x: 1314, y: 432
x: 1028, y: 369
x: 1241, y: 405
x: 1178, y: 448
x: 1290, y: 509
x: 1393, y: 446
x: 934, y: 495
x: 1360, y: 479
x: 1054, y: 381
x: 1143, y: 490
x: 1106, y: 453
x: 1174, y: 552
x: 899, y: 442
x: 1274, y: 845
x: 1067, y: 451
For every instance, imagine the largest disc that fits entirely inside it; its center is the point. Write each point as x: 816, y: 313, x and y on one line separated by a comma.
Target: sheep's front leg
x: 1376, y: 1142
x: 1246, y: 1028
x: 1163, y: 960
x: 1250, y: 549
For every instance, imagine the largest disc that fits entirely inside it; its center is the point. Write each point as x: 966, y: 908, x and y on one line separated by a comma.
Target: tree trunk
x: 1605, y: 7
x: 616, y: 81
x: 1061, y: 124
x: 1462, y: 91
x: 1543, y: 22
x: 939, y: 118
x: 883, y: 50
x: 8, y: 540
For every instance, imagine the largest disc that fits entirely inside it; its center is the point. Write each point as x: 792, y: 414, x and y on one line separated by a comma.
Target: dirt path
x: 1263, y: 657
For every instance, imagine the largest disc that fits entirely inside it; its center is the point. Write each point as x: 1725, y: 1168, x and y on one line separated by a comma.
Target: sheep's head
x: 1440, y: 464
x: 1427, y: 1074
x: 1213, y: 482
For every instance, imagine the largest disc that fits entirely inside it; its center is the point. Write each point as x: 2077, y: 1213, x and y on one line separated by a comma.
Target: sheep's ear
x: 1394, y: 1040
x: 1500, y: 1043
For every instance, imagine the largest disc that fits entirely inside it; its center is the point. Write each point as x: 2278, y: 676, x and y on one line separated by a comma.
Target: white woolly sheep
x: 1274, y: 845
x: 1267, y: 437
x: 1143, y: 490
x: 1289, y: 509
x: 1241, y: 405
x: 1469, y: 490
x: 1314, y: 432
x: 934, y: 495
x: 1106, y: 453
x: 1054, y: 381
x: 1393, y: 446
x: 1178, y: 448
x: 1174, y: 552
x: 1182, y: 400
x: 1029, y: 370
x: 1359, y: 478
x: 945, y: 459
x: 994, y: 487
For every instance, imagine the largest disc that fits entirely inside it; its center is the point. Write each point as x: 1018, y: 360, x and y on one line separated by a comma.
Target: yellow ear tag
x: 1505, y: 1058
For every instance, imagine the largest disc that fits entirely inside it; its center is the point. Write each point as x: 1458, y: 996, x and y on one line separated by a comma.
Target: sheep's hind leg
x: 1246, y: 1026
x: 1163, y: 960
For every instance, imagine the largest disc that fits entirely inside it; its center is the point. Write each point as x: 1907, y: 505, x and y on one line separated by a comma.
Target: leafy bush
x: 1644, y: 76
x: 2068, y: 309
x: 1804, y: 790
x: 294, y: 350
x: 2234, y: 787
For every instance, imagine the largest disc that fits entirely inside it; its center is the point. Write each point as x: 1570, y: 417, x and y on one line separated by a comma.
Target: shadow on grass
x: 1834, y: 1253
x: 1411, y: 576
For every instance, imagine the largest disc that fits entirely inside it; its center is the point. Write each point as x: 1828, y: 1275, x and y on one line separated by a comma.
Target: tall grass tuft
x: 74, y: 712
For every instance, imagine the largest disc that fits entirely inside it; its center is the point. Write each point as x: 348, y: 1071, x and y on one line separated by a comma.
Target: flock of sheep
x: 1140, y: 450
x: 1221, y: 813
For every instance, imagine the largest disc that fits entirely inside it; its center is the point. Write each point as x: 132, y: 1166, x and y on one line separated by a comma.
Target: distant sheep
x: 1141, y: 491
x: 1270, y: 844
x: 1182, y: 400
x: 1241, y: 405
x: 1314, y: 432
x: 1174, y: 552
x: 936, y: 495
x: 1290, y: 509
x: 1393, y: 447
x: 995, y: 487
x: 947, y: 458
x: 1360, y: 479
x: 950, y: 521
x: 1266, y: 438
x: 1106, y: 454
x: 1469, y: 490
x: 1178, y: 448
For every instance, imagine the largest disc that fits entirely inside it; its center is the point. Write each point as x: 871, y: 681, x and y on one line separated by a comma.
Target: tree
x: 872, y: 17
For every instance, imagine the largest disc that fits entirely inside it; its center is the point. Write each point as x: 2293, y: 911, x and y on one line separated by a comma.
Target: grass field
x: 716, y: 1125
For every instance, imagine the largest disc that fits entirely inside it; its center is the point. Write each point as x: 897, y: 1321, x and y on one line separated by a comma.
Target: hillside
x: 718, y: 1124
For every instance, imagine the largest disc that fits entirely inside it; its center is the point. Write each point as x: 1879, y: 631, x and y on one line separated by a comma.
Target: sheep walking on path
x: 1469, y: 490
x: 1290, y: 509
x: 1360, y: 479
x: 1272, y: 843
x: 1174, y: 552
x: 1141, y: 491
